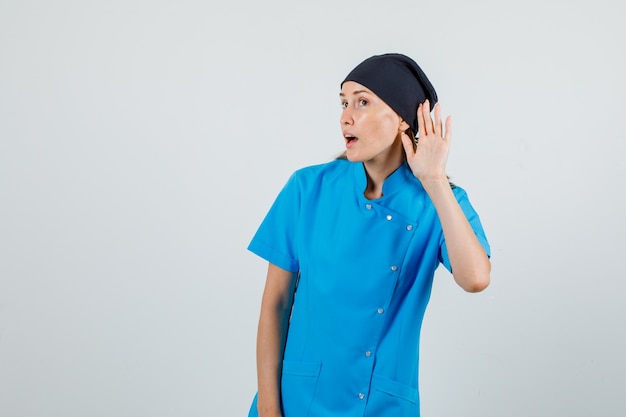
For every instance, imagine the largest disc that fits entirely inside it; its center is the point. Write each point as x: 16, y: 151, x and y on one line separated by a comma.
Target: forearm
x: 270, y: 342
x: 271, y: 336
x: 469, y: 263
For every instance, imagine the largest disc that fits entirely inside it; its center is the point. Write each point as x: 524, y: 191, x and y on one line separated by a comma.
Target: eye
x: 362, y: 102
x: 344, y: 104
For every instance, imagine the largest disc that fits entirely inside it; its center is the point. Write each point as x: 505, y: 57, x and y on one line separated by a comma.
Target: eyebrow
x: 355, y: 93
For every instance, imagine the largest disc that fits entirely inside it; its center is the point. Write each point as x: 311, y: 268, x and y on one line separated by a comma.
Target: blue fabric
x: 366, y: 270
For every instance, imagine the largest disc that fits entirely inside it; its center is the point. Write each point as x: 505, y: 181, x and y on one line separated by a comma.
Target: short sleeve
x: 275, y: 239
x: 474, y: 221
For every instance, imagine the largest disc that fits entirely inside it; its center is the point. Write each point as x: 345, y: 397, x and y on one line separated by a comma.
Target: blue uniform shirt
x: 366, y: 270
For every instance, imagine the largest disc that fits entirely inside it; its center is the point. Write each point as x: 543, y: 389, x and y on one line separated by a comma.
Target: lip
x: 350, y: 139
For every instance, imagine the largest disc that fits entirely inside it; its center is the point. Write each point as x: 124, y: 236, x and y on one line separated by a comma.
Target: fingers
x: 421, y: 130
x: 427, y: 126
x: 438, y: 126
x: 407, y: 143
x: 448, y: 135
x: 428, y: 122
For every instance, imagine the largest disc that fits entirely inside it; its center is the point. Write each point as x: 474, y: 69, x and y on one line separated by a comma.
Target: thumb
x: 408, y: 144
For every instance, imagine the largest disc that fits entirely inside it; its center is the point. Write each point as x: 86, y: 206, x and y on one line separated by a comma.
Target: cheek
x: 388, y: 126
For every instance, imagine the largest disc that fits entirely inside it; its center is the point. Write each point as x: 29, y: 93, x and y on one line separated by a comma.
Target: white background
x: 142, y: 142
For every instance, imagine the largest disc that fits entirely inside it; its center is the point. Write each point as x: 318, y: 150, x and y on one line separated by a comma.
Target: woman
x: 352, y: 247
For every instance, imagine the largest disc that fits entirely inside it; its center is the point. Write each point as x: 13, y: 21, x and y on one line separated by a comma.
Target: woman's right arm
x: 272, y: 332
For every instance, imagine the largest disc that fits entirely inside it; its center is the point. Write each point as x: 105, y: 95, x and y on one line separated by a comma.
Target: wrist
x: 435, y: 182
x: 273, y: 413
x: 438, y: 189
x: 269, y: 408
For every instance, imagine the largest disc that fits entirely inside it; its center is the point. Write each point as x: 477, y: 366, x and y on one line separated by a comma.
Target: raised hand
x: 428, y: 160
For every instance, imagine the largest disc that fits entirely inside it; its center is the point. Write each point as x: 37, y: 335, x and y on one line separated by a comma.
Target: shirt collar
x: 394, y: 182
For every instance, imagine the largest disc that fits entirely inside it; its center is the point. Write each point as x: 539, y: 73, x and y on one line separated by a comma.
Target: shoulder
x: 332, y: 170
x: 458, y: 191
x: 313, y: 178
x: 464, y: 201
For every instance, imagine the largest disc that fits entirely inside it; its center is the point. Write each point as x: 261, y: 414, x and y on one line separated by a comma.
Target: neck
x: 380, y: 168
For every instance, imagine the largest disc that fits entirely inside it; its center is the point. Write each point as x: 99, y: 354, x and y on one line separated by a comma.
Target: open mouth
x: 350, y: 139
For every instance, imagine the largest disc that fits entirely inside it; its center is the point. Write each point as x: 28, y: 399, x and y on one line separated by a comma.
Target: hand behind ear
x: 428, y: 160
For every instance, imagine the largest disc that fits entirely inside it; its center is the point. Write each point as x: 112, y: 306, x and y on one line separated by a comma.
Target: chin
x: 353, y: 158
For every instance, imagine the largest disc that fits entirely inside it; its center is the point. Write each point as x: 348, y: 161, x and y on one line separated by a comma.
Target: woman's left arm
x: 469, y: 262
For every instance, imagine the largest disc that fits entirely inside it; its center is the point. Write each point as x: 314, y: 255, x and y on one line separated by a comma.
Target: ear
x: 403, y: 126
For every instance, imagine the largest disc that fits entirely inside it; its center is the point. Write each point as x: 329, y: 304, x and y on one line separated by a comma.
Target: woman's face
x: 370, y: 127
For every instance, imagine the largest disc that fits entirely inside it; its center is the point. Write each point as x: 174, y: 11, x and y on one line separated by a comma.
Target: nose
x: 346, y: 117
